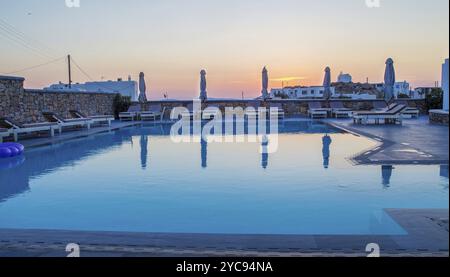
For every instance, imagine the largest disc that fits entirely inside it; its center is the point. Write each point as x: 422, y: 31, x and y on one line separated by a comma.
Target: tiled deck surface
x: 426, y: 237
x: 416, y: 142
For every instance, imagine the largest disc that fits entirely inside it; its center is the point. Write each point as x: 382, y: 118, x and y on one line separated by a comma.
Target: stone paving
x: 415, y: 142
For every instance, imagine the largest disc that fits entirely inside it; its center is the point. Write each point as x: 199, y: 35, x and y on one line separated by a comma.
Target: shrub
x: 121, y: 104
x: 434, y: 99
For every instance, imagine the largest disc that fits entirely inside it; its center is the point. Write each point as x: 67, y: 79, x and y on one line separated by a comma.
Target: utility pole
x: 70, y: 71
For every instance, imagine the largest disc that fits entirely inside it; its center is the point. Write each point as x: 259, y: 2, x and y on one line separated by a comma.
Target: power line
x: 92, y: 79
x: 34, y: 66
x: 22, y: 44
x: 19, y: 38
x: 27, y: 38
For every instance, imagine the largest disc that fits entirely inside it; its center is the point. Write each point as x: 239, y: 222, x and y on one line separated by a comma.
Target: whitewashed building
x: 300, y: 92
x: 126, y: 88
x: 399, y: 88
x: 345, y: 78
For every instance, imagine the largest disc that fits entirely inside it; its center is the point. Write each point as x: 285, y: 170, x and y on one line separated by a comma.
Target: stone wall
x: 439, y: 117
x: 26, y: 106
x: 291, y: 107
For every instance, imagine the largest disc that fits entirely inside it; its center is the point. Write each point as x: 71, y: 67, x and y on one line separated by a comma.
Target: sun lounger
x: 131, y: 114
x: 62, y: 122
x: 16, y: 129
x: 339, y: 111
x: 252, y: 110
x: 276, y: 110
x: 380, y: 105
x: 153, y: 113
x: 410, y: 112
x: 316, y: 110
x: 4, y: 133
x: 391, y: 115
x: 107, y: 119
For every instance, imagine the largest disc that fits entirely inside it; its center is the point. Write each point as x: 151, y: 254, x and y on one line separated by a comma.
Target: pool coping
x: 425, y: 238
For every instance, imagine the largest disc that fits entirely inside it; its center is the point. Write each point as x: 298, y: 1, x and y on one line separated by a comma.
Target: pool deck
x: 416, y: 142
x: 427, y: 237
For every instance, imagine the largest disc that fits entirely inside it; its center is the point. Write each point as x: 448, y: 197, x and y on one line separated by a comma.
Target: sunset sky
x: 172, y: 40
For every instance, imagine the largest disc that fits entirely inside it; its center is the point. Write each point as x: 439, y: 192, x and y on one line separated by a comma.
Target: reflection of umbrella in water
x: 204, y: 153
x: 326, y: 142
x: 386, y: 171
x: 265, y: 152
x: 144, y: 151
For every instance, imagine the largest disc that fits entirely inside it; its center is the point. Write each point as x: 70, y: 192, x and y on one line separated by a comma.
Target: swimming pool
x: 138, y: 180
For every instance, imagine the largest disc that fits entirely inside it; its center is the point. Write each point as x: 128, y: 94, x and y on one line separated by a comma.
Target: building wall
x: 445, y: 87
x: 125, y: 88
x: 26, y: 106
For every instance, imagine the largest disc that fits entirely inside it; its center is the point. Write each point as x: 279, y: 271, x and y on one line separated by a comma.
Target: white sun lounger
x: 316, y: 111
x: 153, y: 113
x: 16, y: 129
x: 278, y: 111
x: 339, y: 111
x: 100, y: 119
x: 391, y: 115
x: 252, y: 110
x: 410, y: 112
x: 62, y: 122
x: 131, y: 114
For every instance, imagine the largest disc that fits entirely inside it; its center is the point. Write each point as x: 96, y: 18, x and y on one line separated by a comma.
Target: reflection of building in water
x: 326, y: 142
x: 265, y: 152
x: 204, y: 153
x: 144, y: 151
x: 444, y: 171
x: 386, y: 172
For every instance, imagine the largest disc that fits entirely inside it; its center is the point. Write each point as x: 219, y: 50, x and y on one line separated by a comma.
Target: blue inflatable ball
x: 5, y: 152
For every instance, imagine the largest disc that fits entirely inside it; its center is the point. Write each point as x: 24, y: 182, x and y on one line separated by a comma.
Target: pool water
x: 138, y: 180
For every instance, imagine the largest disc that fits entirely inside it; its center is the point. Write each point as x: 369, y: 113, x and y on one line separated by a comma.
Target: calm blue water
x: 138, y: 180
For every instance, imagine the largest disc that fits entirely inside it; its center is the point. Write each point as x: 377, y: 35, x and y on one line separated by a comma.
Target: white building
x: 300, y: 92
x: 399, y: 88
x: 345, y: 78
x: 444, y: 83
x: 126, y: 88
